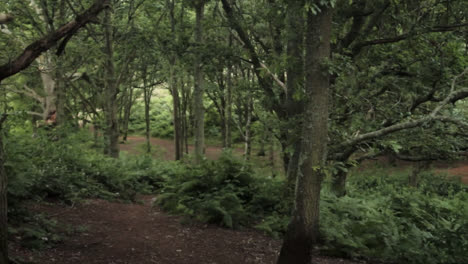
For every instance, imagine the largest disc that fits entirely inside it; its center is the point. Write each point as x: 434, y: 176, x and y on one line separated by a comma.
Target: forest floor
x: 139, y: 233
x: 164, y: 149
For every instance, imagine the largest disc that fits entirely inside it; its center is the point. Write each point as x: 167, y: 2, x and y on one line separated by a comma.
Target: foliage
x: 381, y: 218
x: 384, y: 218
x: 224, y: 192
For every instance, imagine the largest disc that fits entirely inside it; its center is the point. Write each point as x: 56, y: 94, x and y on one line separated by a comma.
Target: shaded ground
x: 164, y: 148
x: 454, y: 168
x: 139, y: 233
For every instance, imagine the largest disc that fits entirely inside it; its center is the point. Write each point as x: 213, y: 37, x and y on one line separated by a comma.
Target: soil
x: 457, y: 169
x: 120, y: 233
x: 165, y: 149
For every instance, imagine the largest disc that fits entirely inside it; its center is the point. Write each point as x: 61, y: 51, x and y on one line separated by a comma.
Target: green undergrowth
x: 68, y: 170
x: 225, y: 192
x: 382, y: 217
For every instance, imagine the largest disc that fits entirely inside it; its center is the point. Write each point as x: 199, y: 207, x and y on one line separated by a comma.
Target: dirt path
x: 140, y: 233
x: 164, y: 148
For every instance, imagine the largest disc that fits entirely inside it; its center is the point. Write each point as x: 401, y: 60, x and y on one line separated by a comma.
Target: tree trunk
x: 415, y: 175
x: 147, y: 98
x: 248, y: 124
x: 178, y: 137
x: 112, y: 125
x: 46, y: 68
x: 338, y: 186
x: 303, y: 230
x: 126, y: 115
x: 295, y: 82
x: 199, y: 87
x: 293, y: 169
x: 3, y: 201
x: 228, y: 100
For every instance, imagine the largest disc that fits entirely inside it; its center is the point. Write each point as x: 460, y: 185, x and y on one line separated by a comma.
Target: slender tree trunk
x: 147, y: 120
x: 112, y: 129
x: 199, y: 87
x: 418, y: 168
x: 3, y: 201
x: 178, y: 140
x: 127, y: 111
x: 46, y: 68
x: 338, y: 186
x: 248, y: 124
x: 147, y: 93
x: 61, y: 95
x: 178, y: 124
x: 303, y: 230
x: 228, y: 99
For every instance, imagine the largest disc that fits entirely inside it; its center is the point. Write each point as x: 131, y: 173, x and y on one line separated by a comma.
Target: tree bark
x: 37, y: 48
x: 303, y: 230
x: 294, y: 83
x: 147, y: 98
x: 228, y: 100
x: 248, y: 125
x: 3, y: 201
x: 126, y: 115
x: 199, y: 86
x: 111, y: 91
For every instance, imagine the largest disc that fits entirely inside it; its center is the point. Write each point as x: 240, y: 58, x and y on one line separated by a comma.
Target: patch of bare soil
x: 454, y: 168
x: 140, y: 233
x: 164, y: 148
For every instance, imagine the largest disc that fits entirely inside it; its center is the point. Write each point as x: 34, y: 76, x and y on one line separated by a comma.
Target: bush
x: 384, y: 218
x: 223, y: 192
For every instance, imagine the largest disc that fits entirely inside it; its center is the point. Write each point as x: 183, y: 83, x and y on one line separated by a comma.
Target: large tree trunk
x: 303, y: 230
x: 199, y: 87
x: 3, y: 201
x: 112, y: 125
x: 295, y: 81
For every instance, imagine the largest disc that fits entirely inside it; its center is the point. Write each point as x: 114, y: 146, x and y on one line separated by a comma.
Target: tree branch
x: 5, y: 18
x: 433, y: 116
x: 37, y: 48
x: 357, y: 48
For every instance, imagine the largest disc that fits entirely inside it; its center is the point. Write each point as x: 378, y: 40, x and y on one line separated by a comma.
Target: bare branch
x: 275, y: 78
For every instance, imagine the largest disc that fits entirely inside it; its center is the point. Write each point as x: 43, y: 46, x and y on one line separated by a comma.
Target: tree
x: 303, y: 230
x: 199, y: 84
x: 3, y: 200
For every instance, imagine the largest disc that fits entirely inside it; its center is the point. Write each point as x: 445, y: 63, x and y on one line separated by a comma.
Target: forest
x: 234, y: 131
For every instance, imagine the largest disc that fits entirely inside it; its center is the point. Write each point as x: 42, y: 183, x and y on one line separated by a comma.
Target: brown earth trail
x: 117, y: 233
